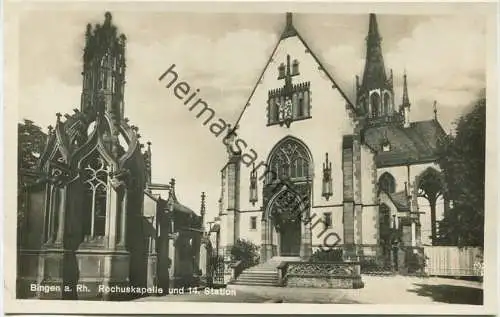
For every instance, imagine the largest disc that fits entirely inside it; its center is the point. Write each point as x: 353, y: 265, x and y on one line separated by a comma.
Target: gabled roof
x: 412, y: 145
x: 172, y: 197
x: 291, y: 31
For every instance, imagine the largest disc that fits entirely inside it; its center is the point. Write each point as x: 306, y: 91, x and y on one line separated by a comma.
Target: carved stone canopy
x: 120, y: 178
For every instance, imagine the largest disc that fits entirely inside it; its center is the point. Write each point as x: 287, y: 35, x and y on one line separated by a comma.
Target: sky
x: 223, y: 54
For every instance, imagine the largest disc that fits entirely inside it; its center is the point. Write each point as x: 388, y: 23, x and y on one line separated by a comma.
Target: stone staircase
x: 263, y: 274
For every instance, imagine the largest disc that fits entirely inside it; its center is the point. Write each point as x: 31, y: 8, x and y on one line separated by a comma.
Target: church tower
x: 375, y: 93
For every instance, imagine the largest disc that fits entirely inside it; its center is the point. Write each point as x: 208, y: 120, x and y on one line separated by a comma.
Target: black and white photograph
x: 280, y: 156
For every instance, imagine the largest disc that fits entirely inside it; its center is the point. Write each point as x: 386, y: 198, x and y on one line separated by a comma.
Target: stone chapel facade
x: 93, y: 217
x: 325, y: 171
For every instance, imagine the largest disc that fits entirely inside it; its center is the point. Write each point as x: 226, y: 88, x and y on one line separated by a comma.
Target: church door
x: 290, y: 239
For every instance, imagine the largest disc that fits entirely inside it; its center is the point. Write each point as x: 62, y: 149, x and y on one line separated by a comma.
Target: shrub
x: 374, y: 266
x: 246, y: 252
x: 332, y: 255
x: 415, y: 262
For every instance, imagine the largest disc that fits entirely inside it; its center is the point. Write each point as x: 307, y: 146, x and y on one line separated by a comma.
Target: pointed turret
x: 406, y: 99
x: 103, y: 69
x: 405, y: 104
x: 375, y: 94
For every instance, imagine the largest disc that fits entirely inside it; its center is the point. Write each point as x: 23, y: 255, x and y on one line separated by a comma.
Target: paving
x: 377, y: 290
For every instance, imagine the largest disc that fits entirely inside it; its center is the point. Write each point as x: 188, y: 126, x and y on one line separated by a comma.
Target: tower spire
x: 406, y: 99
x: 374, y: 76
x: 104, y: 69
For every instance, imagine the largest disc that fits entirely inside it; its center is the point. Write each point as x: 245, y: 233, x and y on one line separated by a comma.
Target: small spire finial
x: 289, y: 28
x: 202, y: 209
x: 289, y: 19
x: 58, y: 115
x: 406, y: 98
x: 50, y: 127
x: 435, y: 110
x: 172, y: 183
x: 107, y: 17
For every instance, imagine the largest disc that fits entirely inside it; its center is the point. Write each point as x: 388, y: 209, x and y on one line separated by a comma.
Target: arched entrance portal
x: 286, y: 195
x: 286, y: 215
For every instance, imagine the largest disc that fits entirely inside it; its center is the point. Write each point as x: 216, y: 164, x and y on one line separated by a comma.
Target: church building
x: 325, y: 171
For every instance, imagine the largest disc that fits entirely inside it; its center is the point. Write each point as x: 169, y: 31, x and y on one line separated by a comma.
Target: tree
x: 462, y: 159
x: 431, y: 188
x: 30, y: 144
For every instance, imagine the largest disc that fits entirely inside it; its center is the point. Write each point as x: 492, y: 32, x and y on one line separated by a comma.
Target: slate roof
x: 412, y: 145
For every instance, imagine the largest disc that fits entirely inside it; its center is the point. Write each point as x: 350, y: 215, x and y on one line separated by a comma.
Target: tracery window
x: 95, y: 181
x: 289, y: 160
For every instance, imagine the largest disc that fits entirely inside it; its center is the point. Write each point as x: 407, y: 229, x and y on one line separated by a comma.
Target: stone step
x: 252, y: 280
x: 258, y: 274
x: 256, y: 283
x: 261, y: 271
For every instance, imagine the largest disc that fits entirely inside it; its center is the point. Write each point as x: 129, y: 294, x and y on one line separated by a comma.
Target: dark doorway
x: 290, y: 239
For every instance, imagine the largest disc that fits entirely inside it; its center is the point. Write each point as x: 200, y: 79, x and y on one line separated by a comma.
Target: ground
x: 377, y: 290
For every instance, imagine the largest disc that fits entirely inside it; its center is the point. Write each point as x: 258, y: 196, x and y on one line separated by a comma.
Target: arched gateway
x: 286, y: 193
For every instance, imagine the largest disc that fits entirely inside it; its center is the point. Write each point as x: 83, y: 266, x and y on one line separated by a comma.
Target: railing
x: 236, y: 269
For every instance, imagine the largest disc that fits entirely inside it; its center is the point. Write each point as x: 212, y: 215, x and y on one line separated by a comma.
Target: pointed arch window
x: 387, y: 183
x: 375, y: 104
x: 387, y: 104
x: 300, y: 105
x: 385, y: 229
x: 290, y: 159
x: 95, y: 183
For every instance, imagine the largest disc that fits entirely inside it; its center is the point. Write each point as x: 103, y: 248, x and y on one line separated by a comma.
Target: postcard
x: 208, y: 157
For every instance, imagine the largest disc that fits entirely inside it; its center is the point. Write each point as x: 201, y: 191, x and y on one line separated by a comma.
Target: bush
x: 332, y: 255
x: 374, y: 266
x: 246, y: 252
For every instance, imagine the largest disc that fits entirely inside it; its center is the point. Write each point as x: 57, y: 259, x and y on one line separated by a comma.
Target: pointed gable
x: 292, y: 44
